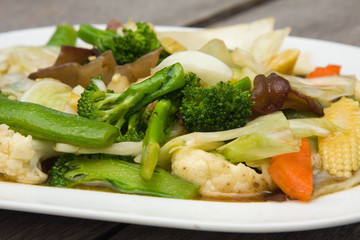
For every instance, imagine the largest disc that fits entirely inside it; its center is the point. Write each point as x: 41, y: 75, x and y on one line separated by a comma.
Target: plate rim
x: 45, y: 206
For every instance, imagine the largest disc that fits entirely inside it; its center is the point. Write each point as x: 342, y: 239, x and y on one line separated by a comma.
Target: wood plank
x: 134, y: 232
x: 36, y: 13
x: 20, y: 225
x: 333, y: 20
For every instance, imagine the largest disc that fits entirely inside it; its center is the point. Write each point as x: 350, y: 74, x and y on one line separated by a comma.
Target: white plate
x: 328, y: 211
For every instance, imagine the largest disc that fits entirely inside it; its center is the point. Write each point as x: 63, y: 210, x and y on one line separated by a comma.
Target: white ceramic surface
x: 327, y: 211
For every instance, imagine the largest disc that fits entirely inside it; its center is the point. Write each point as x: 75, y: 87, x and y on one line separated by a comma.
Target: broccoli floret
x: 215, y: 108
x: 128, y: 46
x: 127, y: 110
x: 116, y: 172
x: 134, y: 131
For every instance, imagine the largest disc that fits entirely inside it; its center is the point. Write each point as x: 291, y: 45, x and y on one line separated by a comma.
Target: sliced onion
x: 210, y: 69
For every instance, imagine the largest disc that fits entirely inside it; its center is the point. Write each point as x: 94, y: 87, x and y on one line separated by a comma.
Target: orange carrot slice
x: 293, y: 173
x: 325, y: 71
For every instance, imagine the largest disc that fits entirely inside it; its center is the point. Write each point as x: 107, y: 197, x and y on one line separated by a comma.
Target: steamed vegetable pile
x: 210, y: 113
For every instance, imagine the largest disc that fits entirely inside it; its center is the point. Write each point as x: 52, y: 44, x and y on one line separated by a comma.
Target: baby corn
x: 285, y: 61
x: 340, y: 150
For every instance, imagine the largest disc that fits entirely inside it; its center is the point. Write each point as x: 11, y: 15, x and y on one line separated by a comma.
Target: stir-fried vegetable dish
x: 217, y: 114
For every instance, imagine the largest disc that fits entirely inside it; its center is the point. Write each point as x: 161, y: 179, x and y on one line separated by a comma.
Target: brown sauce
x: 276, y: 196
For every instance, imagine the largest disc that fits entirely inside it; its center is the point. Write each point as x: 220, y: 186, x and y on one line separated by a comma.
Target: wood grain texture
x: 333, y: 20
x: 36, y: 13
x: 134, y: 232
x: 20, y: 225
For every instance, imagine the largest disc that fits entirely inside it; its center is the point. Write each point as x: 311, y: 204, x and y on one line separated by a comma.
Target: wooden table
x: 335, y: 20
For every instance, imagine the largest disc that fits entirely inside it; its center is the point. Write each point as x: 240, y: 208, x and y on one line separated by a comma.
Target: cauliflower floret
x: 217, y: 177
x: 20, y: 156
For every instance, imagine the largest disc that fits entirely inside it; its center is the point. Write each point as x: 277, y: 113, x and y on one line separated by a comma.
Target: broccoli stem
x: 166, y: 81
x: 73, y: 170
x: 138, y: 96
x: 97, y: 37
x: 160, y: 123
x: 243, y: 84
x: 119, y: 109
x: 149, y: 159
x: 64, y: 35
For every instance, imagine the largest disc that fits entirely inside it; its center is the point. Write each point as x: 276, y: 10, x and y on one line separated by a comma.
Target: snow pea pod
x: 49, y: 124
